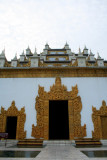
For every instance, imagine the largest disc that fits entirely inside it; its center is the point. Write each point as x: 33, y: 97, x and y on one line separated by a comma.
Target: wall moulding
x: 21, y: 117
x: 96, y: 118
x: 58, y: 92
x: 52, y: 72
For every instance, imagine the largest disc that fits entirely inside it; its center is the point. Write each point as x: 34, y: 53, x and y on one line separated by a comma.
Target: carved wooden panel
x: 21, y: 117
x: 96, y: 117
x: 104, y: 126
x: 58, y: 92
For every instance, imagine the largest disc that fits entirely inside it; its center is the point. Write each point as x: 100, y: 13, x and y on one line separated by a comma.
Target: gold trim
x: 53, y: 72
x: 21, y: 117
x: 58, y: 92
x: 96, y: 118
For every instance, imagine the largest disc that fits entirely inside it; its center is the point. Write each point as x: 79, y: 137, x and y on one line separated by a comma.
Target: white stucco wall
x: 24, y: 91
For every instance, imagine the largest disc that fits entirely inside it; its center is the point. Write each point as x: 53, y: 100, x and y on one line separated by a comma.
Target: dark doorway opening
x: 11, y: 126
x: 58, y: 120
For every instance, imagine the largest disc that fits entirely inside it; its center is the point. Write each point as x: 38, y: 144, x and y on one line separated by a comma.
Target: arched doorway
x: 58, y: 92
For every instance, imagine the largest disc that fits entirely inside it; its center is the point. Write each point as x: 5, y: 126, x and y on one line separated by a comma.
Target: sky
x: 37, y: 22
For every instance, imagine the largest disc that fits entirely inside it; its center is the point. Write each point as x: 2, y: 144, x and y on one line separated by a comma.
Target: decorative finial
x: 15, y: 58
x: 98, y: 55
x: 23, y: 52
x: 79, y: 50
x: 85, y: 47
x: 28, y: 48
x: 91, y: 52
x: 35, y: 53
x: 3, y: 52
x: 66, y: 43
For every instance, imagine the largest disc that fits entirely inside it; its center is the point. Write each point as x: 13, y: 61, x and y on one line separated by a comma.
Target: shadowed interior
x: 58, y: 120
x: 11, y: 126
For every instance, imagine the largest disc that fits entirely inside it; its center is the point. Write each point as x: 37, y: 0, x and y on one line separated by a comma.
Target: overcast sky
x: 35, y: 22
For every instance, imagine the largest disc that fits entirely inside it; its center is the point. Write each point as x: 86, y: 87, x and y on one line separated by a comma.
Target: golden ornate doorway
x: 11, y: 112
x: 99, y: 118
x: 58, y: 92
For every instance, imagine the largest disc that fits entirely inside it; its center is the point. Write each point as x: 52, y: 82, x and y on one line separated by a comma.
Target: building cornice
x: 29, y: 72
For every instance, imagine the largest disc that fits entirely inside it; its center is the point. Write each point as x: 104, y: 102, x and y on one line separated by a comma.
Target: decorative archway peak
x: 58, y: 92
x: 58, y: 81
x: 101, y: 111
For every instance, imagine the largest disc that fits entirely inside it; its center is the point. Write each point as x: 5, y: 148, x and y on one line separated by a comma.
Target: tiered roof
x: 63, y: 57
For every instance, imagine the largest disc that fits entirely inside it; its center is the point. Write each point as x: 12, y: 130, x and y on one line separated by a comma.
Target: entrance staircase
x: 31, y: 142
x: 87, y: 141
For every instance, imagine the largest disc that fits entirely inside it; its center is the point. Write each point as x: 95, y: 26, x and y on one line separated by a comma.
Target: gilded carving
x: 21, y: 117
x: 53, y: 72
x: 7, y: 64
x: 75, y: 63
x: 58, y: 92
x: 96, y: 118
x: 88, y: 64
x: 105, y: 64
x: 27, y: 64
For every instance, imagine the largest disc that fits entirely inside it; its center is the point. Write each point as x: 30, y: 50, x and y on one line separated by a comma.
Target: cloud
x: 33, y: 23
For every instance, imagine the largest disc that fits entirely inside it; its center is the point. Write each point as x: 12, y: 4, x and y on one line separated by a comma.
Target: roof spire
x: 3, y: 53
x: 23, y: 52
x: 85, y: 47
x: 98, y: 55
x: 46, y: 46
x: 35, y: 53
x: 79, y: 50
x: 66, y: 44
x: 15, y: 58
x: 91, y: 52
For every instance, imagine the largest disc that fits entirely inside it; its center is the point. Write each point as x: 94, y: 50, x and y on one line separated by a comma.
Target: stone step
x: 87, y: 141
x: 31, y: 142
x: 58, y: 142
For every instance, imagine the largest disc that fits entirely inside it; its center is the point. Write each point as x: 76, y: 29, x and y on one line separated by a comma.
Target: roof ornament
x: 3, y: 52
x: 66, y: 44
x: 35, y: 53
x: 28, y: 48
x: 2, y: 55
x: 15, y: 58
x: 46, y: 45
x: 91, y: 52
x: 23, y: 52
x: 79, y: 50
x: 85, y: 47
x: 98, y: 55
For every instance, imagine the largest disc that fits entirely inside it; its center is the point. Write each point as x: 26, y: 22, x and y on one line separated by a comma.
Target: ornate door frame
x: 58, y: 92
x: 96, y: 118
x: 21, y: 117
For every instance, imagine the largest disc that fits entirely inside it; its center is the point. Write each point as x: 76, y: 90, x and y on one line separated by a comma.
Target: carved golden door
x: 58, y: 92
